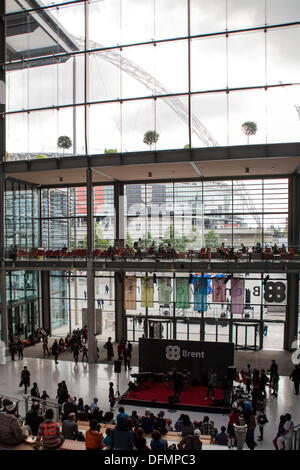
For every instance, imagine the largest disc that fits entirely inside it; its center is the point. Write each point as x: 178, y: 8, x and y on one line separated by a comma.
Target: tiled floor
x: 88, y: 381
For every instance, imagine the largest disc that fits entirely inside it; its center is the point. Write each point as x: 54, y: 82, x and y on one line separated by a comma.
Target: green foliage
x: 41, y: 156
x: 172, y: 236
x: 150, y: 138
x: 211, y: 239
x: 128, y: 240
x: 110, y: 151
x: 64, y: 142
x: 249, y: 128
x: 99, y: 240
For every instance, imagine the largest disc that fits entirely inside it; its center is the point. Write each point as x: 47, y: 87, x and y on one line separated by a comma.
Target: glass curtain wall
x: 68, y: 297
x: 21, y: 216
x: 193, y: 215
x: 22, y: 303
x: 64, y: 217
x: 211, y: 321
x: 219, y: 72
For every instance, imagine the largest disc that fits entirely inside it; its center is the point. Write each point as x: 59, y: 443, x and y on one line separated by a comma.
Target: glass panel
x: 208, y: 63
x: 209, y: 120
x: 138, y: 117
x: 247, y: 107
x: 245, y: 15
x: 104, y: 128
x: 172, y: 113
x: 283, y: 61
x: 208, y: 17
x: 246, y: 68
x: 282, y: 101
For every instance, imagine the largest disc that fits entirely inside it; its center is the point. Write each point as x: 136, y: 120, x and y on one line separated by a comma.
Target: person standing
x: 12, y: 347
x: 111, y: 395
x: 109, y: 349
x: 45, y: 346
x: 20, y: 347
x: 25, y: 379
x: 212, y: 382
x: 127, y: 358
x: 33, y: 419
x: 248, y: 376
x: 120, y: 350
x: 295, y: 377
x: 106, y: 289
x: 55, y: 351
x: 251, y: 425
x: 274, y: 384
x: 76, y: 351
x: 35, y: 391
x: 263, y: 382
x: 85, y: 353
x: 273, y: 370
x: 261, y: 420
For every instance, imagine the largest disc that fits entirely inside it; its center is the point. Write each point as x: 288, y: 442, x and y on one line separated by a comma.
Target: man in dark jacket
x: 295, y: 377
x: 69, y: 407
x: 35, y: 391
x: 33, y: 419
x: 70, y: 428
x: 25, y: 379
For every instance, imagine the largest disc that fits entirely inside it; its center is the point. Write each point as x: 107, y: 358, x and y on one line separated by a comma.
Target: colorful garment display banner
x: 200, y: 293
x: 182, y: 293
x: 219, y: 290
x: 237, y: 295
x: 130, y: 293
x: 164, y: 290
x: 147, y: 292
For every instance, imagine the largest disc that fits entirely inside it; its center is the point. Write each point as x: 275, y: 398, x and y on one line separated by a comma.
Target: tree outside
x: 110, y: 151
x: 212, y: 239
x: 249, y: 128
x: 64, y: 142
x: 150, y: 138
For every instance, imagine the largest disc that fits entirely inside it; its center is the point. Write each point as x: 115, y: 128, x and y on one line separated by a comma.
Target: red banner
x: 219, y: 290
x: 237, y: 295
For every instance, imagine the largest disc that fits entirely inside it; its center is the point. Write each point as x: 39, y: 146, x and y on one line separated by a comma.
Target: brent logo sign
x: 175, y: 353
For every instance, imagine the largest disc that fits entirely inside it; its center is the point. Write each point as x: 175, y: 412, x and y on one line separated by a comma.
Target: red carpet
x: 159, y: 392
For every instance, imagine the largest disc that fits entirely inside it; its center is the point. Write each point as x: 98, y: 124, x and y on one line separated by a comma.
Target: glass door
x: 246, y: 336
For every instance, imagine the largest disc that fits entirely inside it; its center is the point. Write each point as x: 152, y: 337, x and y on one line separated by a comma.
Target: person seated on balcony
x: 64, y: 249
x: 161, y: 249
x: 110, y: 251
x: 151, y: 250
x: 170, y: 251
x: 283, y: 249
x: 231, y: 251
x: 258, y: 248
x: 275, y: 249
x: 243, y: 249
x: 222, y: 251
x: 14, y: 252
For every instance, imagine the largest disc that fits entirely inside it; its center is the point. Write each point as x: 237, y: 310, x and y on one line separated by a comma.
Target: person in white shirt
x: 284, y: 442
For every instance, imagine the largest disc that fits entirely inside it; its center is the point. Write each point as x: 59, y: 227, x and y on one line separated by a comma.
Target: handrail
x: 27, y: 399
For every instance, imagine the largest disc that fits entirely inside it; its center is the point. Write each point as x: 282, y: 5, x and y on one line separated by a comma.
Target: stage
x: 192, y: 398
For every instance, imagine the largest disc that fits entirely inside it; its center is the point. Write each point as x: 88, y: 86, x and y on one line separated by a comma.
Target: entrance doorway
x: 160, y: 329
x: 246, y: 336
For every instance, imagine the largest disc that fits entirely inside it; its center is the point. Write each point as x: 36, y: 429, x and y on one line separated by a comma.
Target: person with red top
x: 233, y: 419
x: 93, y: 438
x: 50, y: 432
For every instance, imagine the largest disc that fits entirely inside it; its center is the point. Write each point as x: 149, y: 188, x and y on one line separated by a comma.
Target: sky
x: 244, y: 59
